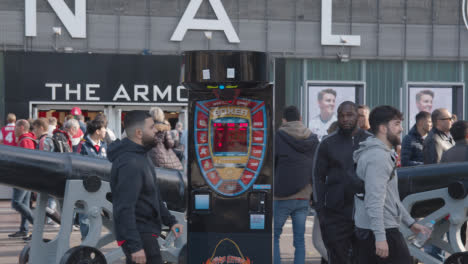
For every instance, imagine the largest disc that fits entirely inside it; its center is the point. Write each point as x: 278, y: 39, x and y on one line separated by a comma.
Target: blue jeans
x: 84, y: 225
x: 298, y: 210
x: 20, y: 202
x: 435, y: 252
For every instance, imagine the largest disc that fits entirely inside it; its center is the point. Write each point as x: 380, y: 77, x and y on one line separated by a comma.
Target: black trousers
x: 340, y: 252
x: 398, y: 250
x: 338, y: 236
x: 151, y: 248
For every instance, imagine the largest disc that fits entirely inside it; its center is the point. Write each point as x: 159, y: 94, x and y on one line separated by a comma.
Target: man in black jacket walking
x: 295, y: 147
x: 333, y: 194
x: 137, y: 206
x: 413, y: 143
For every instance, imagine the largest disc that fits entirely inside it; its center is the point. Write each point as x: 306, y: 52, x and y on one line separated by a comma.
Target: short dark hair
x: 291, y: 113
x: 436, y: 114
x: 99, y: 122
x: 41, y: 122
x: 135, y: 119
x: 382, y: 115
x: 345, y: 103
x: 459, y: 130
x: 365, y: 107
x: 325, y: 91
x: 422, y: 115
x: 420, y: 94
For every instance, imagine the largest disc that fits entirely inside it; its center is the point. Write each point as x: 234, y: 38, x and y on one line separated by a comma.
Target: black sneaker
x: 28, y: 238
x: 18, y: 234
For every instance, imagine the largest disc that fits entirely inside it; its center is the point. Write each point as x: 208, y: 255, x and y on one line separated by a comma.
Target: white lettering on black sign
x: 141, y: 92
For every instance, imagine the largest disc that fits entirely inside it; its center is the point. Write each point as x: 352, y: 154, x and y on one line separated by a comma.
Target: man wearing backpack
x: 40, y: 130
x: 62, y: 138
x: 20, y: 199
x: 378, y: 215
x: 295, y: 147
x: 45, y: 143
x: 332, y: 180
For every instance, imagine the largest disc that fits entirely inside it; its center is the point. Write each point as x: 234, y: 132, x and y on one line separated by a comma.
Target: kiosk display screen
x: 230, y: 137
x: 230, y: 142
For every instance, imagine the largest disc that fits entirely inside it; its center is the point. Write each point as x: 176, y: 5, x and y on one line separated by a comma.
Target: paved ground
x: 11, y: 248
x: 287, y: 249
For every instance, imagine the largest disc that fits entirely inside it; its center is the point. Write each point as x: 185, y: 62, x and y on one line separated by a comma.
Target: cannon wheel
x: 183, y: 255
x: 83, y: 254
x: 456, y: 258
x: 24, y: 254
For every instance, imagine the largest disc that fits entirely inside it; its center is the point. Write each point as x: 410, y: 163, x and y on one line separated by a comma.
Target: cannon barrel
x: 47, y: 172
x: 419, y: 179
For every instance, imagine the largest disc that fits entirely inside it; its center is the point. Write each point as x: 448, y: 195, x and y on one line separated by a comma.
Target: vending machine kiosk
x: 230, y: 157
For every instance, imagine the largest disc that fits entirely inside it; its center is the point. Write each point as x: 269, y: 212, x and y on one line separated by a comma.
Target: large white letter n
x: 188, y: 21
x: 74, y: 23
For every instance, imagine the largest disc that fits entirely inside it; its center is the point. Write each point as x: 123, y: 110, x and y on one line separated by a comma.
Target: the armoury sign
x: 91, y: 78
x: 75, y: 23
x: 129, y: 93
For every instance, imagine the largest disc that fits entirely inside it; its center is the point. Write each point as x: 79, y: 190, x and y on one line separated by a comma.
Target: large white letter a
x: 188, y: 21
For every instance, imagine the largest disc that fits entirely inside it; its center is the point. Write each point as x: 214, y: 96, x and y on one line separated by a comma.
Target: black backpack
x: 61, y: 143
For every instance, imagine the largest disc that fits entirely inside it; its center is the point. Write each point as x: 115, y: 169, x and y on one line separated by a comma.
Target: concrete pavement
x: 11, y: 248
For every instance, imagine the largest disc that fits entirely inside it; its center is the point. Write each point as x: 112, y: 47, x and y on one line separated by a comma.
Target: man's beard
x: 393, y: 139
x: 348, y: 131
x: 148, y: 141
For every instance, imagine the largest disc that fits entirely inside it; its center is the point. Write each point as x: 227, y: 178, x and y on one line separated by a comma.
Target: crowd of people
x: 348, y: 176
x: 93, y: 139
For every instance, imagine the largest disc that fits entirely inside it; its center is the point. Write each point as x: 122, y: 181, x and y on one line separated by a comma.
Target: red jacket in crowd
x: 27, y: 141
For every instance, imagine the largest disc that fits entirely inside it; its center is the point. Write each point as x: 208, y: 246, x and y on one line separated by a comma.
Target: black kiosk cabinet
x: 230, y: 164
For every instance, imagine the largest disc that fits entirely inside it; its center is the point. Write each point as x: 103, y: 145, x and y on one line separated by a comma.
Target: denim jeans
x: 435, y: 252
x: 20, y: 202
x: 298, y: 210
x: 84, y: 225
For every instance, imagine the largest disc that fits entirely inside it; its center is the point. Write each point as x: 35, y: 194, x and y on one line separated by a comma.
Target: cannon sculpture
x: 437, y: 192
x: 81, y: 184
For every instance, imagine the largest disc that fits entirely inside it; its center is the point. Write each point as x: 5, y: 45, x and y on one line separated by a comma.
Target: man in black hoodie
x: 333, y: 181
x: 295, y: 146
x: 137, y: 206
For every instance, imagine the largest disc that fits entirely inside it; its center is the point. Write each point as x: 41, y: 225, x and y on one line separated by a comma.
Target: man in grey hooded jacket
x: 380, y: 213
